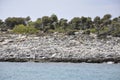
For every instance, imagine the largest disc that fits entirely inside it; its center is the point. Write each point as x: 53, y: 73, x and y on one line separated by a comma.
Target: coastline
x: 66, y: 60
x: 58, y: 47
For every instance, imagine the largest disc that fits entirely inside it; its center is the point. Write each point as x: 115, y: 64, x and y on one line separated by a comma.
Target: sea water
x: 58, y: 71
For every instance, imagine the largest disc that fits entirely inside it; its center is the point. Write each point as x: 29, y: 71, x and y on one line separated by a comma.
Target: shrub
x: 93, y: 30
x: 116, y: 34
x: 51, y: 31
x: 21, y: 29
x: 60, y: 30
x: 86, y: 32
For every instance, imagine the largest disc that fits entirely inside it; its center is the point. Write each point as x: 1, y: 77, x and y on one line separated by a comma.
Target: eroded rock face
x: 59, y: 47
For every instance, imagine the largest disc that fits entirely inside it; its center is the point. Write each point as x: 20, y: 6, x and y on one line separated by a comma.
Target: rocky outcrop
x: 59, y: 48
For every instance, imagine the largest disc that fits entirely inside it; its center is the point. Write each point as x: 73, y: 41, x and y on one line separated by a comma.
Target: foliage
x: 11, y: 22
x: 86, y: 32
x: 38, y: 24
x: 92, y: 30
x: 100, y: 26
x: 115, y: 31
x: 21, y: 29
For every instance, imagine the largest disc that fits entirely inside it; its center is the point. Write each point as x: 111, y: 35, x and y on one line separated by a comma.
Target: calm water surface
x: 58, y: 71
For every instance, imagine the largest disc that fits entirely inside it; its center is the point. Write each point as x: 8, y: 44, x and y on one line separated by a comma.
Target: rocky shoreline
x: 58, y: 47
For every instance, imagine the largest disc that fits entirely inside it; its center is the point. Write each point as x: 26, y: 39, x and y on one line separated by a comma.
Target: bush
x: 93, y: 30
x: 21, y: 29
x: 86, y: 32
x: 51, y: 31
x: 60, y: 30
x: 116, y: 34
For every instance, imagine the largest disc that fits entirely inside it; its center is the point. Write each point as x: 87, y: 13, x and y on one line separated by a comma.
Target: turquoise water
x: 58, y: 71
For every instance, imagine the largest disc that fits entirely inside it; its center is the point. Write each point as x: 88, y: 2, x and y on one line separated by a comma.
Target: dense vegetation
x: 24, y: 29
x: 101, y: 26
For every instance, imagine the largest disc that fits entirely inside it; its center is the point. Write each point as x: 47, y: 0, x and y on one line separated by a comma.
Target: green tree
x: 54, y: 21
x: 27, y: 19
x: 115, y: 27
x: 106, y: 19
x: 38, y: 24
x: 97, y: 23
x: 11, y: 22
x: 107, y: 16
x: 54, y: 18
x: 63, y: 23
x: 1, y: 22
x: 45, y: 23
x: 3, y: 26
x: 75, y: 22
x: 83, y: 22
x: 89, y: 23
x: 45, y: 20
